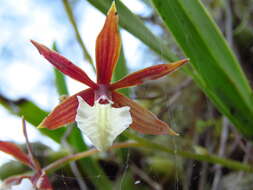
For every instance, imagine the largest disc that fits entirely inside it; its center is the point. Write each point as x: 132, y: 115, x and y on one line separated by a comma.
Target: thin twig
x: 247, y: 156
x: 223, y: 140
x: 207, y: 157
x: 210, y: 144
x: 229, y: 24
x: 142, y: 142
x: 237, y: 142
x: 182, y: 86
x: 154, y: 185
x: 189, y: 167
x: 73, y: 157
x: 29, y: 147
x: 71, y: 17
x: 73, y: 165
x: 204, y: 170
x: 175, y: 94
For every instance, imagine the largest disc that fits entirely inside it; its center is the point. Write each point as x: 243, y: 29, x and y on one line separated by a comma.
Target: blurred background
x: 176, y: 99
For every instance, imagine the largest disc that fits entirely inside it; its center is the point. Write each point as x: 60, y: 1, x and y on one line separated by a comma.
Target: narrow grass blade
x: 121, y: 71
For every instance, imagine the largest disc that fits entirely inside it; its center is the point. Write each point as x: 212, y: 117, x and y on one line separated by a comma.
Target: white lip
x: 102, y: 123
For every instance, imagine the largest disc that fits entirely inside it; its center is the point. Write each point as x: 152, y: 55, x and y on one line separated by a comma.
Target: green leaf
x: 135, y: 26
x: 59, y: 79
x: 216, y: 69
x: 121, y: 71
x: 31, y: 113
x: 12, y: 168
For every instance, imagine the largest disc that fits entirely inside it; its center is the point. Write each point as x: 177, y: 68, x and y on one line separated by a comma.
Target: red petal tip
x: 108, y: 46
x: 150, y: 73
x: 143, y: 120
x: 65, y: 112
x: 16, y: 152
x: 64, y: 65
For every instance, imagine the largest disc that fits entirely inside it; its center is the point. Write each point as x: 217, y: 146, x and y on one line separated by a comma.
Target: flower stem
x: 141, y: 142
x: 73, y: 157
x: 71, y: 17
x: 206, y: 157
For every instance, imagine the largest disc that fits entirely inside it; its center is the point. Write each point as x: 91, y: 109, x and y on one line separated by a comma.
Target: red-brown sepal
x: 143, y: 120
x: 65, y: 112
x: 150, y: 73
x: 64, y: 65
x: 108, y: 46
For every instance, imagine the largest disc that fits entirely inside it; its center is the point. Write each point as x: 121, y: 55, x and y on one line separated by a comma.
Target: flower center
x: 103, y: 95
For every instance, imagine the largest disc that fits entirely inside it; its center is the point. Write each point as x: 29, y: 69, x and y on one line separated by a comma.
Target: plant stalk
x: 141, y: 142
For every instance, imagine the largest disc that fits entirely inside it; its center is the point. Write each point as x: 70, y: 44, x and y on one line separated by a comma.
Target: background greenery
x: 209, y: 102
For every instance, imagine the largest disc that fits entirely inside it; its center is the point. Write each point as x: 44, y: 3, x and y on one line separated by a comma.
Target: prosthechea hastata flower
x: 102, y: 113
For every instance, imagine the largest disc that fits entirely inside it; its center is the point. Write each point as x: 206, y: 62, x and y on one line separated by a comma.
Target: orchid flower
x: 102, y: 113
x: 39, y: 180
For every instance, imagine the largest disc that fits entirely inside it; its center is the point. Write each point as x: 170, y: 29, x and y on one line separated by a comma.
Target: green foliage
x: 121, y: 71
x: 31, y: 113
x: 12, y: 168
x: 207, y: 49
x: 216, y: 69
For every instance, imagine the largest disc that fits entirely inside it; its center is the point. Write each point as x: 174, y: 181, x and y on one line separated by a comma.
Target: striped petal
x: 143, y: 120
x: 64, y: 65
x: 108, y: 47
x: 16, y: 152
x: 65, y: 112
x: 150, y: 73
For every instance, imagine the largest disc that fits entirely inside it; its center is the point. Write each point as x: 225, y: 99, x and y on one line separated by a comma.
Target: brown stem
x: 74, y: 157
